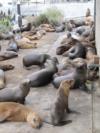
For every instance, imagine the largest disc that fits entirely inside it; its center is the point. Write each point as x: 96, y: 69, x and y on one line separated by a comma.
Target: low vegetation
x: 52, y: 16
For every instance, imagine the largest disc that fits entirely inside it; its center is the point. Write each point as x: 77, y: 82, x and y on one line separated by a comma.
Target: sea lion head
x: 25, y: 86
x: 80, y: 63
x: 34, y: 120
x: 67, y: 83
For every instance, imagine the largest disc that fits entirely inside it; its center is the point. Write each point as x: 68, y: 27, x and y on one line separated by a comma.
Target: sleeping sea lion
x: 7, y: 55
x: 16, y: 94
x: 2, y: 79
x: 15, y: 112
x: 25, y: 43
x: 6, y: 67
x: 44, y: 76
x: 60, y: 105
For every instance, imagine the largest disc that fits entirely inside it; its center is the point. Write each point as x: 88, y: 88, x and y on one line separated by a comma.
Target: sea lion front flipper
x: 4, y: 116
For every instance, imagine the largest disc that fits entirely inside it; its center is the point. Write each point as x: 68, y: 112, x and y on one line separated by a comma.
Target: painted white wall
x: 98, y: 26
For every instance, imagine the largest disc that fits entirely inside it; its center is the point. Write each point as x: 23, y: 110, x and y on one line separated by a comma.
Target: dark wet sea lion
x: 60, y: 105
x: 6, y: 67
x: 2, y: 79
x: 78, y: 74
x: 7, y: 55
x: 15, y: 112
x: 16, y: 94
x: 44, y: 76
x: 35, y: 59
x: 77, y: 51
x: 77, y: 22
x: 12, y: 45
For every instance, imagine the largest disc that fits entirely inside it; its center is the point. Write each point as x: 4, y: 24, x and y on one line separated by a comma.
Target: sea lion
x: 77, y: 22
x: 15, y: 112
x: 60, y: 105
x: 60, y: 28
x: 92, y: 70
x: 6, y: 36
x: 61, y: 49
x: 12, y: 45
x: 6, y: 67
x: 77, y: 51
x: 16, y: 94
x: 38, y: 35
x: 2, y: 79
x: 25, y: 43
x: 7, y: 55
x: 35, y: 59
x: 44, y: 76
x: 78, y: 74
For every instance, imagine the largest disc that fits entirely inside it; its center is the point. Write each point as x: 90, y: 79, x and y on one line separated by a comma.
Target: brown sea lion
x: 25, y: 43
x: 38, y: 35
x: 44, y: 76
x: 15, y: 112
x: 35, y: 59
x: 60, y: 105
x: 6, y: 67
x: 16, y: 94
x: 2, y: 79
x: 7, y: 55
x: 61, y: 49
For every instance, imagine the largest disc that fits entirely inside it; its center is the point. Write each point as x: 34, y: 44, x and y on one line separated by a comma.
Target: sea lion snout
x: 34, y: 120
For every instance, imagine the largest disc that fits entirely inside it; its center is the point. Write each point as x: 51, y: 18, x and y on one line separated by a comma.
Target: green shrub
x: 5, y: 25
x: 51, y: 15
x: 54, y: 16
x: 41, y: 19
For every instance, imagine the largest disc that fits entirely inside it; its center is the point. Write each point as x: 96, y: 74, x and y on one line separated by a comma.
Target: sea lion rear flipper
x: 62, y: 123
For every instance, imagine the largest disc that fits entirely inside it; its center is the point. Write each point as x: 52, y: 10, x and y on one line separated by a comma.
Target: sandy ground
x: 39, y: 99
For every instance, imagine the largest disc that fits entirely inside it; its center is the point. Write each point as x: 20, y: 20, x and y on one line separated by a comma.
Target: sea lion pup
x: 8, y: 55
x: 44, y: 76
x: 15, y: 112
x: 77, y: 51
x: 12, y: 45
x: 2, y: 79
x: 6, y: 67
x: 35, y: 59
x: 16, y: 94
x: 60, y: 105
x: 78, y: 74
